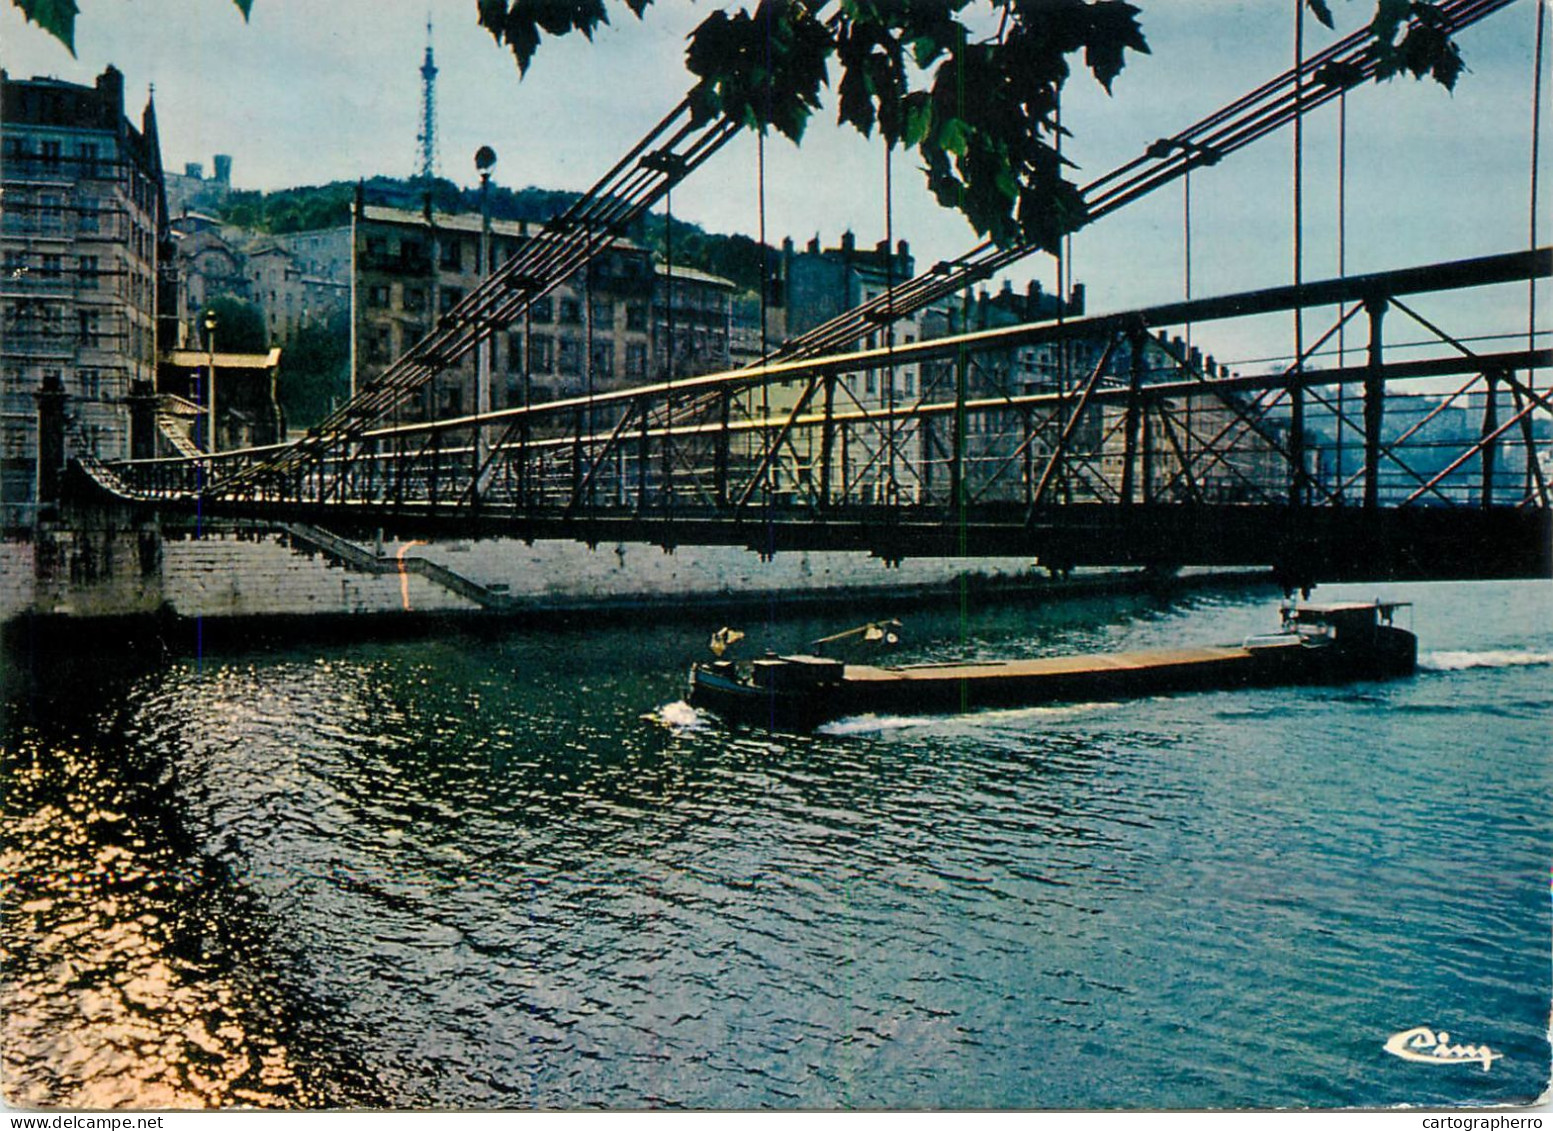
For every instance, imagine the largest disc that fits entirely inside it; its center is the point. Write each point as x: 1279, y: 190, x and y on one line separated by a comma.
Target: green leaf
x: 918, y: 118
x: 1113, y: 30
x: 245, y: 7
x: 1321, y: 10
x: 57, y: 17
x: 954, y: 136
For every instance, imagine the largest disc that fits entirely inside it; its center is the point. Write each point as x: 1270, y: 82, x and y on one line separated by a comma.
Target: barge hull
x: 818, y: 693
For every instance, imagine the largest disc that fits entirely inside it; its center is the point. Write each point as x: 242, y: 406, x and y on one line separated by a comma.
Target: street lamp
x: 485, y: 161
x: 210, y: 392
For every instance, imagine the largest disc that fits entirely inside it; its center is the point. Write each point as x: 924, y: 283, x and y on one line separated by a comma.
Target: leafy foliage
x: 518, y: 23
x: 980, y: 109
x: 239, y: 325
x: 289, y: 210
x: 1421, y: 47
x: 57, y: 17
x: 315, y: 371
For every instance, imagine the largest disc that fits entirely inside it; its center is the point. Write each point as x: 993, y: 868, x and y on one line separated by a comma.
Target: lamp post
x: 485, y: 160
x: 210, y: 390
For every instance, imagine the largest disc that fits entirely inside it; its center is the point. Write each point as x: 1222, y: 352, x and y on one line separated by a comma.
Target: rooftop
x: 195, y: 359
x: 457, y: 222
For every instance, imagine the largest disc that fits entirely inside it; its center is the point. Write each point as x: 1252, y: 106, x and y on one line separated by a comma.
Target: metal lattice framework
x: 978, y: 460
x: 1131, y: 449
x: 682, y: 142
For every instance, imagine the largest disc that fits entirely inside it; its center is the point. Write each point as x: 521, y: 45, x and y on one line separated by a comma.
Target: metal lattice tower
x: 426, y: 140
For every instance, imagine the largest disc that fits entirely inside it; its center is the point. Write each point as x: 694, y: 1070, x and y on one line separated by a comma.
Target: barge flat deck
x: 1317, y: 644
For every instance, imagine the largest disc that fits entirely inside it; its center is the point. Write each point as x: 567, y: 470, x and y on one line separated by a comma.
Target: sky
x: 308, y: 92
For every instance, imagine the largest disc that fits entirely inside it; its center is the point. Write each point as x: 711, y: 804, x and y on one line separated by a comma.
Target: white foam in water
x: 870, y: 724
x: 878, y: 724
x: 679, y: 715
x: 1462, y: 661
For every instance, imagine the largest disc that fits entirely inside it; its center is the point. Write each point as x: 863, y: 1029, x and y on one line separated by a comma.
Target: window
x: 541, y: 358
x: 89, y: 154
x: 88, y: 271
x: 452, y: 253
x: 570, y: 357
x: 15, y: 263
x: 636, y: 316
x: 91, y: 327
x: 91, y: 384
x: 571, y: 311
x: 451, y: 297
x: 602, y: 311
x: 48, y: 149
x: 515, y: 352
x: 379, y: 344
x: 871, y: 382
x: 453, y: 401
x: 377, y: 296
x: 91, y: 214
x: 414, y: 300
x: 604, y: 360
x: 543, y: 309
x: 377, y: 248
x: 910, y: 382
x: 51, y: 212
x: 636, y: 359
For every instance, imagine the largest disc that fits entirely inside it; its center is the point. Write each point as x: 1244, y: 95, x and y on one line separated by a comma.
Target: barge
x: 1335, y: 643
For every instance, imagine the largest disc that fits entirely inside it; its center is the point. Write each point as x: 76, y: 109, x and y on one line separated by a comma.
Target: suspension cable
x: 1297, y: 400
x: 1342, y: 272
x: 1536, y: 136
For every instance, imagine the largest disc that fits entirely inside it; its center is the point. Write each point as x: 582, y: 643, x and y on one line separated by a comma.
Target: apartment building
x: 84, y: 266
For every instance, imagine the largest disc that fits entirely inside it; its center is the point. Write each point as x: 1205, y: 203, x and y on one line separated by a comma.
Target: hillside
x: 325, y: 206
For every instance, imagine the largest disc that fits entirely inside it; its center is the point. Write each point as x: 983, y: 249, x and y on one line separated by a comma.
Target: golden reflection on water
x: 116, y: 989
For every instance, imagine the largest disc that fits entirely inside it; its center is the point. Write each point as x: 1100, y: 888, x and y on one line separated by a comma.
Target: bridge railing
x: 1104, y: 410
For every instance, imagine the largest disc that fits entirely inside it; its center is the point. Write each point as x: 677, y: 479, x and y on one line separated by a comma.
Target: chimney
x: 848, y: 243
x: 194, y: 170
x: 813, y: 246
x: 110, y: 85
x: 1076, y: 299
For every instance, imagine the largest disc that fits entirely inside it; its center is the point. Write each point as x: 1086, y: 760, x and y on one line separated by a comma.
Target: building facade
x: 84, y: 247
x: 606, y: 327
x: 879, y: 461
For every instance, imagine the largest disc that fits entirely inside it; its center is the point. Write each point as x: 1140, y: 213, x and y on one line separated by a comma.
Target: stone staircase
x: 355, y: 556
x: 174, y: 420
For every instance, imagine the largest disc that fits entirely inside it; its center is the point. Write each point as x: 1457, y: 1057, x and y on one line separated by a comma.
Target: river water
x: 515, y: 870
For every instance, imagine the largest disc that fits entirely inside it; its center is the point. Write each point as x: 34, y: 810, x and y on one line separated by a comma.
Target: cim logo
x: 1425, y: 1046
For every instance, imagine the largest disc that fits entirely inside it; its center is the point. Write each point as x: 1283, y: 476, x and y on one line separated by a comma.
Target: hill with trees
x: 311, y: 207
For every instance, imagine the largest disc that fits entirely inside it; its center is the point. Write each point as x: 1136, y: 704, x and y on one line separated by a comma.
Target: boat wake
x: 881, y: 724
x: 1465, y: 661
x: 679, y: 716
